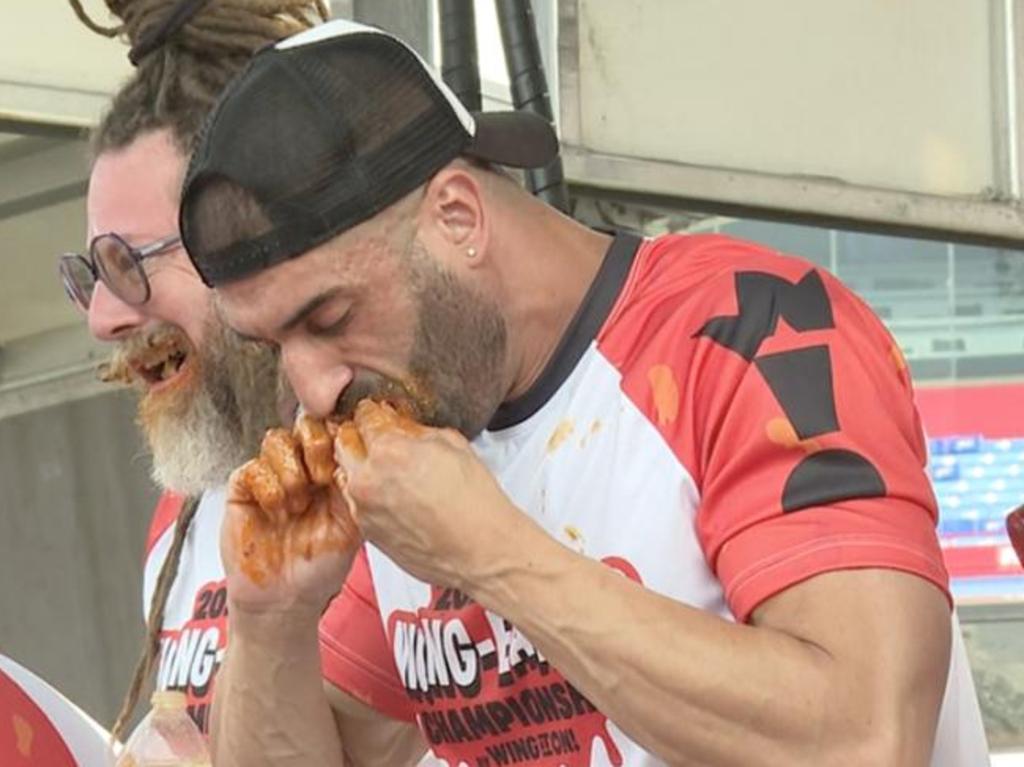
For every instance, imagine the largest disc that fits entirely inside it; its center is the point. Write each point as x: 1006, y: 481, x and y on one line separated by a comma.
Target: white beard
x: 197, y: 450
x: 211, y: 422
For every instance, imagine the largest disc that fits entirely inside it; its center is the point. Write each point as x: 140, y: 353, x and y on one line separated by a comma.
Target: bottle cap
x: 174, y: 699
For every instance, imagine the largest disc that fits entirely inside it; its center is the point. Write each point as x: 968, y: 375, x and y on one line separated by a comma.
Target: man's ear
x: 455, y: 213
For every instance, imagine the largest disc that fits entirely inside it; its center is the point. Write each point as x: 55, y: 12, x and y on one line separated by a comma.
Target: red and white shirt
x: 194, y: 631
x: 195, y: 627
x: 719, y: 423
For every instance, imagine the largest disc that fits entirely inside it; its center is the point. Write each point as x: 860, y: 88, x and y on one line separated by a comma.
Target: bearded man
x: 662, y: 501
x: 205, y: 398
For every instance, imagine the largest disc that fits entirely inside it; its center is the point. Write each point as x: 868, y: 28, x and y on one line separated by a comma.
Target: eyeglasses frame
x: 138, y: 255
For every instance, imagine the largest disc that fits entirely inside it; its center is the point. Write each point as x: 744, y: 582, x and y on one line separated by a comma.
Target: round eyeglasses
x: 116, y: 263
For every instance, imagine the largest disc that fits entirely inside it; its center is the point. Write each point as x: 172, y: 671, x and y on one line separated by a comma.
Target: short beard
x: 457, y: 361
x: 203, y: 429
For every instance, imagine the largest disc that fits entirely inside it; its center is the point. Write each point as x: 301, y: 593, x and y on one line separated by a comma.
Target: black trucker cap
x: 322, y: 131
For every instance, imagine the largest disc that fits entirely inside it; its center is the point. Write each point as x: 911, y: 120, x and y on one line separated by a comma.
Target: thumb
x: 348, y: 506
x: 238, y: 484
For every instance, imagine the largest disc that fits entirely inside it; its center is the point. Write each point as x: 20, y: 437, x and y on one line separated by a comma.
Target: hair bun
x: 155, y: 36
x: 206, y: 27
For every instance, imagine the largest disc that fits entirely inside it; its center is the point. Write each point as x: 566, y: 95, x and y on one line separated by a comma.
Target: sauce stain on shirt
x: 595, y: 427
x: 665, y: 392
x: 781, y: 432
x: 575, y: 538
x: 561, y: 433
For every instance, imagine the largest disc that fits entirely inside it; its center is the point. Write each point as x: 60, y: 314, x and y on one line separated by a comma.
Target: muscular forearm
x: 692, y: 687
x: 269, y: 703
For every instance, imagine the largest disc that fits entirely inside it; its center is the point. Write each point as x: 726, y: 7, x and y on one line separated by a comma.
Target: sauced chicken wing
x: 292, y: 497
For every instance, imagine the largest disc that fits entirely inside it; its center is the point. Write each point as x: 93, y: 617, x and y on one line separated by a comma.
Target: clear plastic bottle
x: 167, y: 737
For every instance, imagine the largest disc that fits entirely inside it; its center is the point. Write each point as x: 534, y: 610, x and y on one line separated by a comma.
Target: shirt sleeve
x: 354, y: 649
x: 795, y: 419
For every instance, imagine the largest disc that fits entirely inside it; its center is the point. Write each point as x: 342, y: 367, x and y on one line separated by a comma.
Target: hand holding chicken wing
x: 288, y: 535
x: 297, y: 513
x: 424, y: 498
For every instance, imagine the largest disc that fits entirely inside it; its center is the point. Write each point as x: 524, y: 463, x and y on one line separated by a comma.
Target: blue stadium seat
x: 976, y: 481
x: 957, y: 526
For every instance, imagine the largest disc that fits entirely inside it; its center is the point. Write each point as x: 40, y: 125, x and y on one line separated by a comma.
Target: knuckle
x: 349, y: 442
x: 319, y: 459
x: 361, y: 486
x: 273, y: 440
x: 388, y: 447
x: 240, y: 477
x: 455, y: 438
x: 312, y: 433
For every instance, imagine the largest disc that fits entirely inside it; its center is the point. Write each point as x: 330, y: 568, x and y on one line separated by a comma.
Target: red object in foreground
x: 39, y: 727
x: 27, y: 736
x: 1015, y: 529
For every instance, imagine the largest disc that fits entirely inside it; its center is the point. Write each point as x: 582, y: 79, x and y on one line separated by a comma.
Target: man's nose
x: 317, y: 387
x: 110, y: 318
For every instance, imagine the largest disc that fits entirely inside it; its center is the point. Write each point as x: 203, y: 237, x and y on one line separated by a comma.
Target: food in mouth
x: 150, y: 361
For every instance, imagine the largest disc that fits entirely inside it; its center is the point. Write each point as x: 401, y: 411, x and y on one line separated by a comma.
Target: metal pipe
x: 1010, y: 46
x: 459, y: 67
x: 530, y: 90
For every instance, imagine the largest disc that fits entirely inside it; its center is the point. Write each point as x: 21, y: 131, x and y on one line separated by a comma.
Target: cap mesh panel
x: 309, y: 142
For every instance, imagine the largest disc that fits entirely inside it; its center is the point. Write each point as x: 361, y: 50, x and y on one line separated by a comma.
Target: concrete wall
x: 895, y: 95
x: 75, y: 500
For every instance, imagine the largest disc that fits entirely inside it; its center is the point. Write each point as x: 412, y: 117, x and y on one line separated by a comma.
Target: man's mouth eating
x: 159, y: 369
x: 152, y: 362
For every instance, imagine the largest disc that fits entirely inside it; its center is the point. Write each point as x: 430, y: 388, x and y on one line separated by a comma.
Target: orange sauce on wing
x: 267, y: 546
x: 351, y: 442
x: 261, y: 551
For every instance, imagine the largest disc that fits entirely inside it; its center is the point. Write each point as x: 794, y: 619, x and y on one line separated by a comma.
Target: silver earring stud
x: 470, y: 252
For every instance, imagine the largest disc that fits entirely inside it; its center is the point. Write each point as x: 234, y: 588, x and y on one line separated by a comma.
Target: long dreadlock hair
x: 177, y: 81
x: 185, y: 53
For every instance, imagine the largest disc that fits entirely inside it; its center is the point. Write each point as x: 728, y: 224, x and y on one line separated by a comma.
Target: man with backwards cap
x: 668, y: 503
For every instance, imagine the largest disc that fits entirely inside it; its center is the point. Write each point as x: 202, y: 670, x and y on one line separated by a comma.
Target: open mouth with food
x: 160, y: 365
x: 153, y: 363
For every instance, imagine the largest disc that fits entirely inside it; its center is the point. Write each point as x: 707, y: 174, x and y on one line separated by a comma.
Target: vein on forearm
x: 270, y: 704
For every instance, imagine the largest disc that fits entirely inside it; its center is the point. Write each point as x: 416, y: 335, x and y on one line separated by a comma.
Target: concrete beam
x: 40, y: 171
x: 819, y: 201
x: 49, y: 368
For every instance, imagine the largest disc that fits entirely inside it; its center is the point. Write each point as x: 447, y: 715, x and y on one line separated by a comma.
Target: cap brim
x: 517, y: 139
